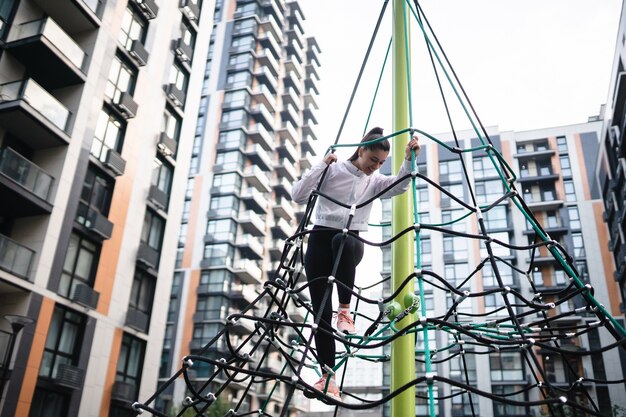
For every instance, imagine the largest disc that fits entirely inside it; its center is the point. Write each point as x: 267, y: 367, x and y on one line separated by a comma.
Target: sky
x: 524, y: 64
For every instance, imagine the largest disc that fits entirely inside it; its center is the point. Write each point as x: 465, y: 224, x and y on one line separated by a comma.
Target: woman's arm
x: 302, y: 188
x: 384, y: 181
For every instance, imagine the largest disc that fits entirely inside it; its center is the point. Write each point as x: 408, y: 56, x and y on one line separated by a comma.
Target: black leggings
x: 319, y: 260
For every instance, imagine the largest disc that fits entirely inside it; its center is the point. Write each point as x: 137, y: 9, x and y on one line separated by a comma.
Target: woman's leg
x: 318, y: 263
x: 351, y: 256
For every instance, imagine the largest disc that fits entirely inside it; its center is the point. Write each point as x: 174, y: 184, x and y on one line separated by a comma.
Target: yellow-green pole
x: 402, y: 251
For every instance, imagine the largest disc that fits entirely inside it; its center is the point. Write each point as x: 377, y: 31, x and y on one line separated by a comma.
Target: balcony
x: 311, y: 85
x: 158, y: 197
x: 307, y: 146
x: 533, y: 153
x: 250, y: 247
x: 137, y: 320
x: 287, y: 150
x: 94, y: 221
x: 544, y: 175
x: 291, y: 80
x: 255, y: 201
x: 261, y: 114
x: 266, y: 58
x: 291, y: 98
x: 286, y: 169
x: 308, y: 130
x: 243, y: 297
x: 139, y: 53
x: 306, y: 162
x: 126, y: 105
x: 290, y: 114
x: 295, y: 16
x: 183, y: 51
x: 124, y: 392
x: 309, y: 116
x: 282, y: 188
x: 190, y: 9
x: 261, y: 136
x: 43, y: 41
x: 248, y: 271
x: 74, y: 16
x: 15, y: 258
x: 268, y: 41
x: 69, y: 376
x: 147, y: 255
x: 542, y: 204
x: 166, y: 145
x: 243, y: 327
x: 176, y: 95
x: 281, y: 229
x: 273, y: 7
x: 261, y: 94
x: 289, y: 132
x: 311, y: 70
x: 276, y: 251
x: 259, y: 157
x: 285, y: 210
x: 86, y: 296
x: 269, y: 25
x: 294, y: 51
x: 258, y: 179
x: 33, y: 115
x: 24, y: 187
x: 312, y: 54
x: 252, y: 223
x: 148, y: 8
x: 265, y: 77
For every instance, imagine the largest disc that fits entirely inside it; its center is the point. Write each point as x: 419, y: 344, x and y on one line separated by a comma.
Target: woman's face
x: 370, y: 160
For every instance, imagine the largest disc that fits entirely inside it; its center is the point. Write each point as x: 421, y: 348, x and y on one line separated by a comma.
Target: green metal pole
x: 402, y: 251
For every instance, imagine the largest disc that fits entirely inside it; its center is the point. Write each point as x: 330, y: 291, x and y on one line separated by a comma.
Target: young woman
x: 350, y: 182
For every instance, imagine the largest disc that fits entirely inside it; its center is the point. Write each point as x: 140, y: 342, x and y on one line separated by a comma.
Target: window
x: 227, y: 183
x: 217, y: 280
x: 450, y: 171
x: 457, y: 368
x: 496, y: 248
x: 566, y: 168
x: 506, y: 410
x: 142, y: 292
x: 238, y: 79
x: 548, y: 193
x: 494, y: 303
x: 204, y: 332
x: 234, y: 119
x: 186, y: 211
x: 179, y: 77
x: 63, y: 342
x: 227, y: 205
x: 427, y: 251
x: 496, y: 218
x: 219, y: 255
x: 109, y: 135
x: 187, y: 34
x: 152, y: 233
x: 483, y: 168
x: 242, y: 43
x: 171, y: 124
x: 6, y: 10
x: 422, y: 199
x: 240, y: 62
x: 133, y: 28
x: 245, y: 26
x: 489, y: 191
x: 95, y: 194
x: 236, y: 98
x: 506, y: 366
x: 570, y: 193
x: 456, y: 190
x: 455, y: 274
x: 454, y: 217
x: 130, y: 362
x: 222, y: 230
x: 489, y: 278
x: 229, y: 161
x: 461, y: 406
x: 48, y: 403
x: 248, y: 8
x: 162, y: 174
x: 578, y: 245
x: 552, y: 220
x: 232, y: 139
x: 561, y: 143
x: 80, y: 264
x: 574, y: 217
x: 455, y: 248
x: 121, y: 79
x: 212, y: 308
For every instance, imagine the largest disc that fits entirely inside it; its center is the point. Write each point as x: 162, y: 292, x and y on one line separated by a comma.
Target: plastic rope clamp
x: 418, y: 272
x: 479, y: 213
x: 344, y: 231
x: 210, y: 397
x: 187, y: 401
x: 331, y: 279
x: 136, y: 407
x: 352, y: 209
x: 414, y: 174
x: 430, y: 378
x: 563, y: 399
x: 187, y: 362
x: 417, y: 227
x: 381, y: 305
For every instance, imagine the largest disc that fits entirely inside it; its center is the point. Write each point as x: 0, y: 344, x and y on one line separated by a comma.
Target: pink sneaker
x: 332, y: 390
x: 345, y: 323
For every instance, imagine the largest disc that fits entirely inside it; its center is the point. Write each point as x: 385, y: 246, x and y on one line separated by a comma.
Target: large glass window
x: 506, y: 410
x: 227, y: 183
x: 238, y: 79
x: 455, y: 247
x: 179, y: 77
x: 171, y: 124
x: 236, y: 98
x: 63, y: 342
x: 230, y: 161
x: 227, y: 205
x: 80, y: 264
x: 578, y: 245
x: 496, y: 218
x: 242, y: 43
x: 489, y: 191
x: 142, y: 292
x: 232, y: 139
x: 455, y: 274
x: 489, y: 277
x: 217, y: 280
x: 245, y: 26
x: 456, y: 190
x: 450, y: 171
x: 574, y: 217
x: 130, y: 363
x: 212, y: 307
x: 133, y: 28
x: 219, y: 255
x: 566, y: 168
x: 109, y: 135
x: 96, y: 193
x: 496, y: 248
x: 570, y: 193
x: 561, y: 143
x: 240, y: 62
x: 122, y: 79
x: 223, y: 230
x: 152, y: 233
x: 483, y: 168
x: 234, y: 119
x: 506, y: 366
x: 162, y: 174
x: 204, y: 332
x: 188, y: 34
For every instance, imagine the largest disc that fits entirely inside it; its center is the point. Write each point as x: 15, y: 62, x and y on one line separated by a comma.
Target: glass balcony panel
x: 39, y: 99
x: 25, y: 173
x: 14, y: 257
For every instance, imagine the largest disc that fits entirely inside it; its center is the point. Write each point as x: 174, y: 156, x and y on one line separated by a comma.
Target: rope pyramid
x: 280, y: 320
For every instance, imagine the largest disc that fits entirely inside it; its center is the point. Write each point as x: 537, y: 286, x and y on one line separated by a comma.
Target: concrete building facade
x: 93, y: 109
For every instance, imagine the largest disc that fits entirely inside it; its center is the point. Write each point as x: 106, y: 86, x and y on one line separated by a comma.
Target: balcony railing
x: 14, y: 257
x: 50, y: 30
x: 25, y: 173
x: 42, y: 101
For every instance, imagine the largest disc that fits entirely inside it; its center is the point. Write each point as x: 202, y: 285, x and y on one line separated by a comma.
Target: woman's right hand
x: 330, y: 158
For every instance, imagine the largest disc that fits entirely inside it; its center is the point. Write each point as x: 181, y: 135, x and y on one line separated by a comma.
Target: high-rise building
x: 254, y: 135
x: 555, y: 174
x: 612, y: 165
x: 93, y: 106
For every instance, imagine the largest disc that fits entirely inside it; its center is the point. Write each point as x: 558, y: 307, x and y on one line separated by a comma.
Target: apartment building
x: 94, y: 110
x: 255, y: 134
x: 555, y: 173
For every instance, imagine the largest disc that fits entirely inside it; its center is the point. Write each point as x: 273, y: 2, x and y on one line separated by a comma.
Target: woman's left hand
x: 412, y: 145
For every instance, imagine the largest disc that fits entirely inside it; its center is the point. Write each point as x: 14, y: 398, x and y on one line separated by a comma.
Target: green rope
x: 380, y: 77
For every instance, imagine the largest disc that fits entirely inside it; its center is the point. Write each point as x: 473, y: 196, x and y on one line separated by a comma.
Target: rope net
x: 267, y: 349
